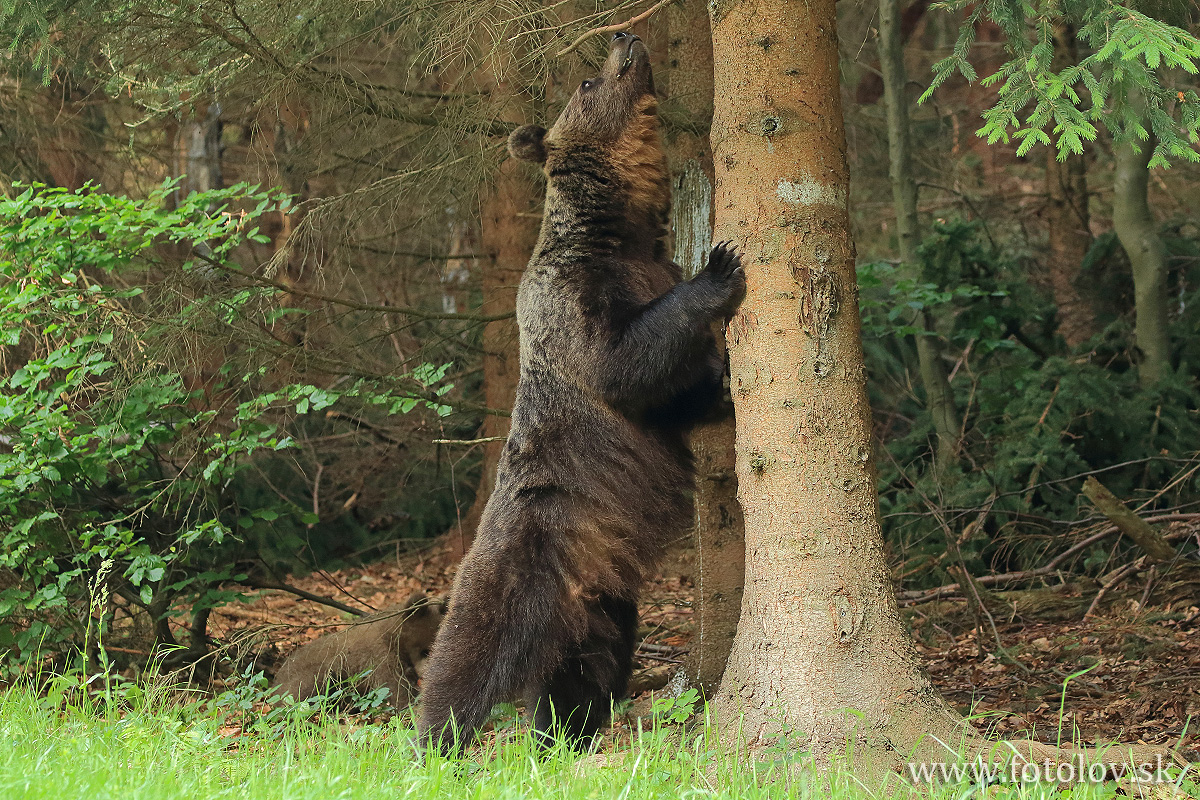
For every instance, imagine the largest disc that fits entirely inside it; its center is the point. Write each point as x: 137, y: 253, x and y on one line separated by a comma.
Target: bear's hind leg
x: 577, y: 699
x: 498, y: 633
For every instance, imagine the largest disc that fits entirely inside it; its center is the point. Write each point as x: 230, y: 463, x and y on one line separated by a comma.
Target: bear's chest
x: 589, y: 290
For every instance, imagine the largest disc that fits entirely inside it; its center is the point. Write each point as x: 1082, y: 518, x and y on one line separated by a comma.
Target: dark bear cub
x: 616, y: 360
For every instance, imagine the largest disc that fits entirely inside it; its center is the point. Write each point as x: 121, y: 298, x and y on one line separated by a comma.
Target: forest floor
x: 1140, y: 658
x: 144, y: 740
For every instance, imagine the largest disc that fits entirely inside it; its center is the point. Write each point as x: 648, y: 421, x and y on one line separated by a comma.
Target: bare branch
x: 347, y: 303
x: 296, y: 590
x: 917, y: 596
x: 620, y: 26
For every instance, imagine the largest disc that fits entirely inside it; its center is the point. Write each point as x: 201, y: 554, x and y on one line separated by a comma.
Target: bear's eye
x: 586, y: 85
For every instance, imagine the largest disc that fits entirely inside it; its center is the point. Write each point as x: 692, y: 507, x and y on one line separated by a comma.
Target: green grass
x: 64, y: 744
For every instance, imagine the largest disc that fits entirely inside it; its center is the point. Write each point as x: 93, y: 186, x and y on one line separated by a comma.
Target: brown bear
x: 616, y: 361
x: 392, y: 644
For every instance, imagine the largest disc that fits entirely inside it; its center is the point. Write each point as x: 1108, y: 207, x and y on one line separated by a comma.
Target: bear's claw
x: 724, y: 261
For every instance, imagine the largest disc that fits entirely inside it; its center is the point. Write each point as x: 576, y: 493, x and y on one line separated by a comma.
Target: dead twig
x: 348, y: 303
x: 663, y: 659
x: 362, y: 423
x: 1119, y: 575
x: 1171, y: 679
x: 620, y: 26
x: 1150, y: 577
x: 296, y: 590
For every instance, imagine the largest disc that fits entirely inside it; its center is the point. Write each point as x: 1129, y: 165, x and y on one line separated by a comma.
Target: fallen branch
x: 1117, y: 576
x: 649, y: 679
x: 620, y: 26
x: 663, y: 659
x: 232, y: 611
x: 1129, y: 523
x: 296, y: 590
x: 483, y: 440
x: 914, y: 597
x: 127, y: 651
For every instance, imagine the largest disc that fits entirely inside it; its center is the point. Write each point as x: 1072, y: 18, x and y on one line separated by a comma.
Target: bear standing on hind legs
x: 616, y: 362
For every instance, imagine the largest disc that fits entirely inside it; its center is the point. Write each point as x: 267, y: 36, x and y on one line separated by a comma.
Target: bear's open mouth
x: 628, y: 62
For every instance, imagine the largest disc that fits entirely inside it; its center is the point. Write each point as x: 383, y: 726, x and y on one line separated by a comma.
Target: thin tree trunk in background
x: 939, y: 397
x: 820, y: 651
x: 720, y: 547
x: 508, y: 230
x: 200, y: 140
x: 456, y: 272
x: 870, y: 84
x: 1067, y: 221
x: 200, y: 166
x: 1138, y: 234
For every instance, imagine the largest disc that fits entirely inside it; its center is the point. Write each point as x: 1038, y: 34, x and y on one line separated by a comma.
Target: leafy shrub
x: 129, y: 407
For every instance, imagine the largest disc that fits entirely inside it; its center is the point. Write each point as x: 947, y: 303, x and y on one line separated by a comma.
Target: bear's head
x: 422, y: 617
x: 612, y: 117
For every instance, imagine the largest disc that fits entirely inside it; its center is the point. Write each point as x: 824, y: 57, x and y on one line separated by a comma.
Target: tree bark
x: 463, y: 249
x: 718, y: 534
x: 1067, y: 221
x: 821, y: 660
x: 1138, y: 234
x: 508, y: 231
x: 939, y: 397
x: 820, y: 633
x: 201, y: 145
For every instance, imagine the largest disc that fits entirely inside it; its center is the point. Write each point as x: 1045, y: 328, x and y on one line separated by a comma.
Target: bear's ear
x: 528, y: 143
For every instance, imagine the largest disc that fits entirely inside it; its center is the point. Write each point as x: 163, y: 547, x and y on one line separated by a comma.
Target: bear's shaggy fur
x: 393, y: 644
x: 617, y: 360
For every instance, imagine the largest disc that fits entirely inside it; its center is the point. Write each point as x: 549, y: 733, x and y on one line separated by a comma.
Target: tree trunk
x: 1067, y: 221
x: 821, y: 659
x: 508, y: 231
x: 201, y: 145
x: 463, y: 249
x: 718, y: 534
x: 939, y: 397
x: 820, y: 633
x: 1138, y: 233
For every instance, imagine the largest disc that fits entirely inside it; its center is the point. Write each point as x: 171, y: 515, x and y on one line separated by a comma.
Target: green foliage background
x: 132, y: 410
x: 1039, y: 417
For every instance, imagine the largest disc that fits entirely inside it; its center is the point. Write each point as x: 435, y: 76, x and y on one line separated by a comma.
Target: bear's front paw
x: 724, y: 271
